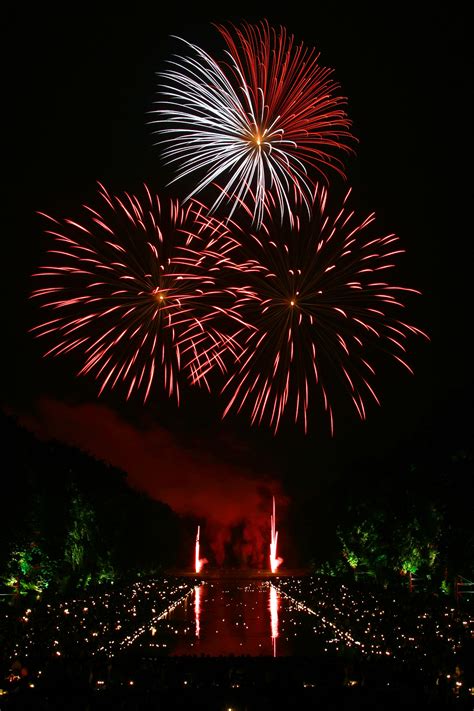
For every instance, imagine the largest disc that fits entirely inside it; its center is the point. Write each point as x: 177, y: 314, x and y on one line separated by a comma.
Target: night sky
x: 79, y: 89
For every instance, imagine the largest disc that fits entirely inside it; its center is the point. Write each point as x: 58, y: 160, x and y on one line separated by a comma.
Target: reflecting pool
x: 232, y: 617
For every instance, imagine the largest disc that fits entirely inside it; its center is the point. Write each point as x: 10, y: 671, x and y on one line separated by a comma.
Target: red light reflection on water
x: 197, y: 609
x: 225, y: 619
x: 274, y: 605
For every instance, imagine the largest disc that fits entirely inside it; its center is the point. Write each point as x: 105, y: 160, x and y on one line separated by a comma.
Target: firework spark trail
x: 275, y: 561
x: 256, y: 122
x: 135, y: 286
x: 322, y: 307
x: 198, y: 561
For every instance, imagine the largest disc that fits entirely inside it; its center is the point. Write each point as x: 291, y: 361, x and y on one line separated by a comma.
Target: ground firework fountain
x: 275, y: 561
x: 198, y: 561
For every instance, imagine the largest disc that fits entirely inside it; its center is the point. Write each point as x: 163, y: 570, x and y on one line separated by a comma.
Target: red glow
x: 197, y: 609
x: 274, y: 604
x: 225, y: 497
x: 198, y: 561
x: 275, y: 561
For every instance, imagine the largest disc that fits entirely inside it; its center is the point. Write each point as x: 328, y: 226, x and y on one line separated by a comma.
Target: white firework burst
x: 262, y: 122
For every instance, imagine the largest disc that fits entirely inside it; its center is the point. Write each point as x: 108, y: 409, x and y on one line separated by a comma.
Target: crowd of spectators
x: 99, y: 623
x: 375, y: 648
x: 411, y: 633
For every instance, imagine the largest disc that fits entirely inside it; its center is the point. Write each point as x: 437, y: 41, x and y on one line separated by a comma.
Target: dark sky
x: 80, y: 84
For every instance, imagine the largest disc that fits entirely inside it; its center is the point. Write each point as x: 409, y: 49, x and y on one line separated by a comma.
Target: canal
x: 236, y: 617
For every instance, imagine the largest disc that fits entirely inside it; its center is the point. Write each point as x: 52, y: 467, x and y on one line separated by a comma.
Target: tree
x: 79, y: 548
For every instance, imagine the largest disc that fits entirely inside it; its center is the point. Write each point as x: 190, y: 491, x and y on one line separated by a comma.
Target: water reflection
x: 235, y: 617
x: 274, y: 603
x: 197, y: 609
x: 228, y: 618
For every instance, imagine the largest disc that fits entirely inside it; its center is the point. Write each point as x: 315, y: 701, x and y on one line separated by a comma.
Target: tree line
x: 69, y: 521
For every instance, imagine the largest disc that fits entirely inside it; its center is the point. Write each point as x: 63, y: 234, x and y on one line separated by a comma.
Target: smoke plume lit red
x: 231, y: 501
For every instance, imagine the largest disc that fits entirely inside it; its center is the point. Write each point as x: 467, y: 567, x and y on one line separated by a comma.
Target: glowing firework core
x: 259, y: 138
x: 275, y: 561
x: 159, y: 297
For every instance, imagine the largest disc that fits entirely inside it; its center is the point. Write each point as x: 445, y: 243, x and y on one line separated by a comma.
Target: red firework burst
x: 259, y: 123
x: 319, y: 301
x: 135, y: 287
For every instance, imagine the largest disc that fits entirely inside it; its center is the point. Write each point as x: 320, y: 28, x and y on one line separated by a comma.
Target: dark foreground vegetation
x: 82, y: 567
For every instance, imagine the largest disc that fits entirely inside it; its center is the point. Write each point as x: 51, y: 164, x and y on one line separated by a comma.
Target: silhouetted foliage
x: 72, y: 521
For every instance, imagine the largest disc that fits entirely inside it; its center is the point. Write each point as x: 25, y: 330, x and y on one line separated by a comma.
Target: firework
x: 275, y: 561
x: 135, y: 287
x: 267, y: 120
x: 198, y: 561
x: 322, y: 308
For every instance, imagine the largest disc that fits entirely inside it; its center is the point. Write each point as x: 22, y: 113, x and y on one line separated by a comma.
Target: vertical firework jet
x: 275, y: 561
x: 198, y: 561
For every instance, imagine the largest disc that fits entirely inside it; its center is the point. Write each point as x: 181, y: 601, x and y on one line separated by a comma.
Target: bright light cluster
x: 313, y: 618
x: 98, y: 624
x: 377, y: 623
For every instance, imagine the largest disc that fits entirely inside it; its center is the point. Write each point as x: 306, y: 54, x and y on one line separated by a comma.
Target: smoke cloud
x: 232, y: 500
